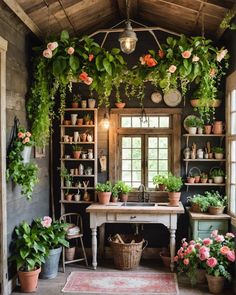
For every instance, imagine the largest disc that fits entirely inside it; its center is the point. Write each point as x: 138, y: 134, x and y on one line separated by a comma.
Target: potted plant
x: 217, y: 175
x: 199, y: 203
x: 76, y: 150
x: 67, y: 177
x: 87, y: 119
x: 115, y: 194
x: 160, y: 180
x: 203, y: 177
x: 19, y: 169
x: 173, y: 186
x: 119, y: 104
x: 191, y: 178
x: 75, y: 101
x: 52, y: 233
x: 192, y: 123
x: 123, y: 190
x: 29, y: 253
x: 91, y: 103
x: 104, y: 191
x: 216, y: 201
x: 218, y: 152
x: 68, y: 196
x: 197, y: 177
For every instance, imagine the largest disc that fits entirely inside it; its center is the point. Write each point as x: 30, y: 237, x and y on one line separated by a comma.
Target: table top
x: 159, y: 208
x: 204, y: 216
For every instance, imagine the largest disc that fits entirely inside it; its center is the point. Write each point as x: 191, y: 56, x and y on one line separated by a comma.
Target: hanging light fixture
x: 128, y: 37
x: 106, y: 122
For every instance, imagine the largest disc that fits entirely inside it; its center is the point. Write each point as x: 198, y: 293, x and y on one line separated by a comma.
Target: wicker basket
x: 127, y: 255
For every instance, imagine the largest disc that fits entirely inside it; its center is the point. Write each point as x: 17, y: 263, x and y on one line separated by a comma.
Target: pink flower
x: 186, y: 261
x: 142, y: 61
x: 204, y: 256
x: 172, y: 69
x: 186, y: 54
x: 91, y: 57
x: 180, y: 251
x: 185, y: 244
x: 219, y: 238
x: 230, y: 235
x: 151, y: 62
x: 212, y: 72
x: 70, y: 50
x: 190, y: 249
x: 224, y: 250
x: 195, y: 58
x: 207, y: 242
x: 52, y: 45
x: 221, y: 54
x: 214, y: 233
x: 231, y: 255
x: 88, y: 81
x: 176, y: 258
x: 46, y: 222
x: 21, y: 134
x: 181, y: 256
x: 28, y: 134
x: 47, y: 53
x: 204, y: 249
x: 197, y: 245
x: 161, y: 53
x: 26, y: 140
x: 83, y: 76
x: 192, y: 242
x: 211, y: 262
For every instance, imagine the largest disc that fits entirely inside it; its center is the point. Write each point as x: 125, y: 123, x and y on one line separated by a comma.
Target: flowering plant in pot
x: 173, y: 186
x: 217, y: 202
x: 104, y: 191
x: 52, y: 234
x: 19, y: 168
x: 160, y: 180
x: 28, y: 253
x: 199, y: 203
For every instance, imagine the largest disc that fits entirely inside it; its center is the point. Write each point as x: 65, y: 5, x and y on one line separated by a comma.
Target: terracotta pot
x: 124, y: 197
x: 165, y: 257
x: 197, y: 178
x: 69, y: 197
x: 70, y: 253
x: 218, y: 127
x: 104, y: 197
x: 67, y: 122
x: 210, y: 155
x: 83, y: 137
x: 203, y: 180
x: 207, y: 129
x: 174, y: 198
x: 219, y: 156
x: 29, y: 280
x: 114, y: 199
x: 74, y: 105
x: 201, y: 276
x: 215, y: 284
x: 191, y: 179
x: 195, y: 208
x: 76, y: 154
x: 120, y: 105
x: 216, y: 103
x: 194, y: 102
x: 216, y: 210
x: 80, y: 121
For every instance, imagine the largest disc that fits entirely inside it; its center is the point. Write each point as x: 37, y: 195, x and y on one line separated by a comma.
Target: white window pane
x: 152, y: 142
x: 163, y: 154
x: 136, y: 164
x: 136, y: 176
x: 163, y: 142
x: 136, y: 142
x: 233, y: 123
x: 136, y: 153
x: 163, y: 165
x: 126, y: 176
x: 152, y: 153
x: 233, y: 151
x: 144, y: 123
x: 126, y: 165
x: 135, y: 122
x: 164, y: 122
x: 233, y: 198
x: 126, y: 154
x: 152, y: 165
x: 151, y: 185
x: 233, y: 100
x: 125, y: 122
x: 126, y: 142
x: 233, y: 173
x: 153, y: 122
x: 136, y: 184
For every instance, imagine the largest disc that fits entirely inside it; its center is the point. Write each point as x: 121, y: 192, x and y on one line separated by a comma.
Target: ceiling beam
x: 17, y: 9
x: 220, y: 31
x: 133, y: 8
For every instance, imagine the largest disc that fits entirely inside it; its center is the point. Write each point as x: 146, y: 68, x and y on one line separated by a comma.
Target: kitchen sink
x: 138, y: 204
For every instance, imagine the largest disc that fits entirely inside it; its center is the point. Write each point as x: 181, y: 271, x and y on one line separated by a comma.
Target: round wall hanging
x: 172, y: 98
x: 156, y: 97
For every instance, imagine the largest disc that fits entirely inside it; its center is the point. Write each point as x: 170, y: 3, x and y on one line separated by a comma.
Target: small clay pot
x: 67, y: 122
x: 74, y: 105
x: 76, y: 154
x: 69, y: 197
x: 120, y: 105
x: 80, y: 121
x: 191, y: 179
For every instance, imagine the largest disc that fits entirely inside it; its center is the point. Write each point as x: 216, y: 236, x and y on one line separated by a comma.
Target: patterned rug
x: 121, y: 283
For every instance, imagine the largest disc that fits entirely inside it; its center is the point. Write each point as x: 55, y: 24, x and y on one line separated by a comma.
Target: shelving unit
x: 70, y: 163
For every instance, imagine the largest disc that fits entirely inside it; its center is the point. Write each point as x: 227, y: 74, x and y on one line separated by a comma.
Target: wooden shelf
x: 80, y: 109
x: 204, y: 184
x: 76, y: 188
x: 84, y: 175
x: 204, y: 135
x: 78, y: 142
x: 204, y: 160
x: 76, y: 202
x: 73, y: 159
x: 77, y: 126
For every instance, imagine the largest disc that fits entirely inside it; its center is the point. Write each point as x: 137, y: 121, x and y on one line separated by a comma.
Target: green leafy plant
x: 104, y: 187
x: 216, y: 172
x: 204, y: 175
x: 65, y: 174
x: 122, y: 187
x: 218, y: 150
x: 192, y: 121
x: 76, y: 98
x: 199, y: 200
x: 215, y: 199
x: 23, y: 174
x: 29, y: 251
x: 173, y: 183
x: 226, y: 22
x: 87, y: 117
x: 77, y: 147
x: 159, y: 179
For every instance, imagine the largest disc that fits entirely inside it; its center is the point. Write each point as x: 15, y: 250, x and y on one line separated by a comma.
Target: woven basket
x: 127, y: 255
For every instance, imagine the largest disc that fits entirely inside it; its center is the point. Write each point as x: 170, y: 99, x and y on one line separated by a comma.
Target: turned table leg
x: 172, y: 248
x: 94, y: 247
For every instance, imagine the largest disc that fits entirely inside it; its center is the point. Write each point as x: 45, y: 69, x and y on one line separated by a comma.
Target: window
x: 140, y: 150
x: 231, y: 142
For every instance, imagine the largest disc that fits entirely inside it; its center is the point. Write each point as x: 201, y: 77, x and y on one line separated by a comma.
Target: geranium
x: 24, y: 137
x: 215, y: 254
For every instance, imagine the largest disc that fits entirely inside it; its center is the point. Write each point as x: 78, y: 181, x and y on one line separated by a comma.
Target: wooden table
x: 116, y: 213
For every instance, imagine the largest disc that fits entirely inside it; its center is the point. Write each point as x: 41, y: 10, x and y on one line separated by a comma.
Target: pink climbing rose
x: 47, y: 53
x: 186, y: 54
x: 47, y: 221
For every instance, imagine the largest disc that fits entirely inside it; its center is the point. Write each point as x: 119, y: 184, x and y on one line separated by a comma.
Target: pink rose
x: 219, y: 238
x: 214, y: 233
x: 161, y: 53
x: 204, y: 256
x: 190, y: 249
x: 192, y: 242
x: 186, y: 54
x: 221, y: 54
x: 185, y: 244
x: 70, y: 50
x: 195, y: 58
x: 142, y: 61
x: 204, y: 249
x: 231, y: 255
x: 172, y: 69
x: 197, y: 245
x: 26, y: 140
x: 83, y: 76
x: 47, y: 53
x: 21, y: 134
x: 224, y: 250
x: 88, y: 81
x: 181, y: 256
x: 207, y: 242
x: 46, y: 222
x: 211, y: 262
x: 230, y: 235
x: 180, y: 251
x: 186, y: 261
x: 28, y: 134
x: 52, y: 45
x: 176, y: 258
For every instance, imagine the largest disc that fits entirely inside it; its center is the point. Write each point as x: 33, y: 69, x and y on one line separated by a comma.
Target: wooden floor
x: 54, y: 286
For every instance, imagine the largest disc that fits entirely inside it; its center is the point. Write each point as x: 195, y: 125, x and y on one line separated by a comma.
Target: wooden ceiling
x: 191, y: 17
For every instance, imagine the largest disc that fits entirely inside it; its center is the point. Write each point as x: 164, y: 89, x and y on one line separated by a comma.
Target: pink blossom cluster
x: 46, y: 221
x: 24, y: 136
x: 50, y: 48
x: 85, y: 78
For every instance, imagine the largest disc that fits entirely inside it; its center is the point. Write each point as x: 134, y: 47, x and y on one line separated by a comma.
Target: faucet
x: 143, y: 197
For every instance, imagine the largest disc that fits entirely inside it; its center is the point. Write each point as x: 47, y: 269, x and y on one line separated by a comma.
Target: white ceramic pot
x: 76, y: 136
x: 218, y: 179
x: 91, y: 103
x: 26, y: 154
x: 73, y: 119
x: 192, y: 130
x: 219, y: 156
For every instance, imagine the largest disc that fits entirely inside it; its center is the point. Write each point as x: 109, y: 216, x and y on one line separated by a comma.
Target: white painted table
x: 115, y: 213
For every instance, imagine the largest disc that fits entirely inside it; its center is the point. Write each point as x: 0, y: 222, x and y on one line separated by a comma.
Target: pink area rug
x: 121, y: 283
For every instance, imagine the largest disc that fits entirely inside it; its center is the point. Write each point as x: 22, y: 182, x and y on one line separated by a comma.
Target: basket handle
x: 145, y: 244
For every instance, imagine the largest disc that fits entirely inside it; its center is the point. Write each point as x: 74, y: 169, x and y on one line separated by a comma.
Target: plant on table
x: 104, y: 191
x: 200, y: 200
x: 123, y: 189
x: 21, y: 173
x: 160, y: 180
x: 215, y: 199
x: 173, y: 186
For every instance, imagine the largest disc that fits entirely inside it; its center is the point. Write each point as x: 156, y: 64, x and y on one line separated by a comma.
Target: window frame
x: 230, y: 87
x: 174, y: 133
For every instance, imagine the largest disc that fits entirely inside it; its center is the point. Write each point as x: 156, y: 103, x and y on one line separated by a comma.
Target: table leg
x: 94, y: 247
x: 172, y: 248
